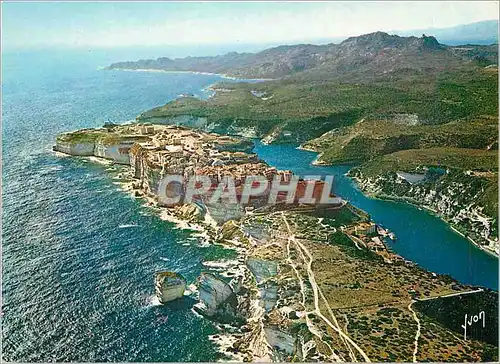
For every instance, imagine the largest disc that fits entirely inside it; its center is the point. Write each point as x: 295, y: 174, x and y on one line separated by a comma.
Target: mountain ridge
x: 287, y: 60
x: 376, y: 99
x: 483, y: 33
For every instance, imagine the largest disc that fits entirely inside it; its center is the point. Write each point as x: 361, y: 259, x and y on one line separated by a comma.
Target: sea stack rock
x: 169, y: 286
x: 217, y: 298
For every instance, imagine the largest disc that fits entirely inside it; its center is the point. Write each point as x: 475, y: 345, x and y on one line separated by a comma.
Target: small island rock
x: 169, y: 286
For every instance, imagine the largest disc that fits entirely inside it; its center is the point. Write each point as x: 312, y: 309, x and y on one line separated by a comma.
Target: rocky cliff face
x: 169, y: 286
x: 76, y: 149
x: 267, y: 334
x: 118, y: 153
x: 217, y: 298
x: 455, y: 196
x: 263, y: 271
x: 100, y: 143
x: 224, y: 211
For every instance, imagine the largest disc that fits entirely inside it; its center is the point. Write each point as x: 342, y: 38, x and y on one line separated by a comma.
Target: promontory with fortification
x: 417, y: 121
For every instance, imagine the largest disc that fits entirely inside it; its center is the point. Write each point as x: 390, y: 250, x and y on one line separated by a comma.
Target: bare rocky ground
x: 308, y: 293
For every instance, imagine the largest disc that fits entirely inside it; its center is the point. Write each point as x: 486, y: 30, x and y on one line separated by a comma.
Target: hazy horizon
x: 124, y: 53
x: 241, y: 27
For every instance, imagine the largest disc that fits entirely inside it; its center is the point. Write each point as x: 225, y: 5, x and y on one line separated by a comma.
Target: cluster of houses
x: 183, y: 151
x: 170, y: 147
x: 368, y: 233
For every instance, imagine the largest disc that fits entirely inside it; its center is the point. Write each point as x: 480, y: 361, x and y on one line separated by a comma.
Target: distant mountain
x: 366, y: 55
x: 483, y: 32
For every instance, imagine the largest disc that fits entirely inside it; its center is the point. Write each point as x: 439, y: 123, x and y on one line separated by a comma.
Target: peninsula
x: 310, y: 283
x: 418, y: 118
x: 313, y: 282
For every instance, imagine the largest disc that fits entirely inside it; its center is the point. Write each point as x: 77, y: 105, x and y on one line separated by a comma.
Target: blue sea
x: 78, y: 254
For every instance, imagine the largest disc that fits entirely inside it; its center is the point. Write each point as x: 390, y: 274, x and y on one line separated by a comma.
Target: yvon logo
x: 473, y: 320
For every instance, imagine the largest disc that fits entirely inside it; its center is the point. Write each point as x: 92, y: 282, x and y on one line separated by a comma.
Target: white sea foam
x: 100, y: 160
x: 123, y: 226
x: 152, y: 301
x: 225, y: 342
x: 220, y: 263
x: 192, y: 288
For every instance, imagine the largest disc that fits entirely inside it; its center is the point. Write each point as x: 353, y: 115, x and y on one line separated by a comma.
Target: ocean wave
x: 100, y: 160
x: 220, y: 263
x: 152, y: 301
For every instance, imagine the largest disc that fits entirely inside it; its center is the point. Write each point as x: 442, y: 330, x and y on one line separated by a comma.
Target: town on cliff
x: 305, y: 270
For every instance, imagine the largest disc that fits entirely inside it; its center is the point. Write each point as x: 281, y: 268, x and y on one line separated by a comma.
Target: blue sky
x: 115, y: 24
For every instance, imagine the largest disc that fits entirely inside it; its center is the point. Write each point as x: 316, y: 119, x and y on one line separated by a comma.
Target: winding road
x: 417, y: 335
x: 317, y: 292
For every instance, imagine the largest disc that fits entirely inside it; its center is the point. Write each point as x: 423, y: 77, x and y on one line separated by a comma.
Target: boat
x: 392, y: 236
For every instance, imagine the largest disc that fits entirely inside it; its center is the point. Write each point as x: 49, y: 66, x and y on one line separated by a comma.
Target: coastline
x: 430, y: 211
x: 406, y: 200
x: 356, y: 180
x: 316, y: 161
x: 205, y: 232
x: 255, y: 283
x: 169, y: 215
x: 222, y: 75
x: 81, y: 221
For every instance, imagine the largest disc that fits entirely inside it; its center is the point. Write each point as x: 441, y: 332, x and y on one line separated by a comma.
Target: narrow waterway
x: 421, y: 237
